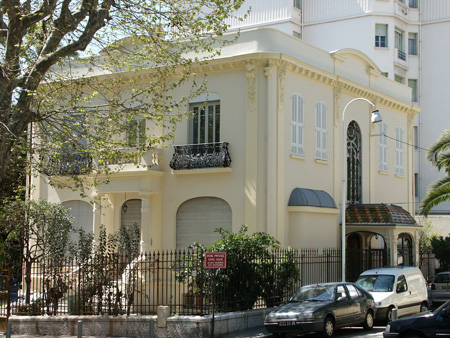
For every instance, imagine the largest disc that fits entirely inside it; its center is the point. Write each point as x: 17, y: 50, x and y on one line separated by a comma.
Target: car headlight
x: 271, y: 316
x: 305, y: 315
x: 388, y: 328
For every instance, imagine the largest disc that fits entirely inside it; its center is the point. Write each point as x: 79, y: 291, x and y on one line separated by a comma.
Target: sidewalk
x: 251, y: 333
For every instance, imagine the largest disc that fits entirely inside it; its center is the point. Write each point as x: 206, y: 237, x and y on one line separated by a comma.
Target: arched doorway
x: 197, y: 219
x: 365, y: 250
x: 131, y: 212
x: 404, y: 250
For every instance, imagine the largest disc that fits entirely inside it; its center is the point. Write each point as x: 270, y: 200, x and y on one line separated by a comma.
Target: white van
x: 403, y: 288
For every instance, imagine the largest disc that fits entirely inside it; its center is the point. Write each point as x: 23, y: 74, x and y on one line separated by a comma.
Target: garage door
x: 198, y: 218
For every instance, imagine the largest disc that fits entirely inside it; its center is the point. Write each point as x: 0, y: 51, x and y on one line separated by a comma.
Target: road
x: 355, y: 332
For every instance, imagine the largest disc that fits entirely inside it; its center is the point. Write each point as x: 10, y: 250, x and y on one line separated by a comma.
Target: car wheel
x: 389, y: 314
x: 368, y: 323
x: 328, y: 327
x: 423, y: 307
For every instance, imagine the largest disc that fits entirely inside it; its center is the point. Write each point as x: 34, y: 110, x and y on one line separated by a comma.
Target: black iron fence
x: 116, y: 285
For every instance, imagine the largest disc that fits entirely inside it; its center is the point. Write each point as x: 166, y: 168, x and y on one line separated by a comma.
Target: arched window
x: 354, y: 164
x: 404, y: 250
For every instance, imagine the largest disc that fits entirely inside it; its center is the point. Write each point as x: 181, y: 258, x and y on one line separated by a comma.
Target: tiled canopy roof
x: 378, y: 214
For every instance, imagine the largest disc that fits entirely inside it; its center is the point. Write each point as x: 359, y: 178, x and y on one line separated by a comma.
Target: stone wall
x: 138, y: 326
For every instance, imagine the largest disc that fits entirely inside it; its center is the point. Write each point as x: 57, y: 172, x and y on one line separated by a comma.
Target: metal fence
x: 433, y: 262
x: 117, y: 285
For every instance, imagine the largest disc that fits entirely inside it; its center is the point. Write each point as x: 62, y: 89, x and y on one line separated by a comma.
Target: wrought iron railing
x: 122, y: 284
x: 198, y: 156
x: 76, y: 163
x: 402, y: 55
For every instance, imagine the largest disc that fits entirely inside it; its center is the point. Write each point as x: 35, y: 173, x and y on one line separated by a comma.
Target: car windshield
x: 314, y: 293
x: 442, y: 278
x: 376, y: 283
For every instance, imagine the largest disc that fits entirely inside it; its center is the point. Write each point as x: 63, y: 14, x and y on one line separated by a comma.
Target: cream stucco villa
x: 267, y: 152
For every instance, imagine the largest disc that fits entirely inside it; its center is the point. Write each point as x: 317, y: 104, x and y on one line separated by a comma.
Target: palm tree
x: 439, y: 191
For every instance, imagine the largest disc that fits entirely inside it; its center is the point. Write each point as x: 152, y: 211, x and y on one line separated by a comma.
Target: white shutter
x: 297, y: 125
x: 321, y: 131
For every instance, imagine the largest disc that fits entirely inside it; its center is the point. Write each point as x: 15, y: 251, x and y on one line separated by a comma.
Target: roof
x: 301, y: 197
x: 388, y: 214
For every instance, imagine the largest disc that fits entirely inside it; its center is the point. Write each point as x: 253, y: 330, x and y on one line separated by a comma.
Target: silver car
x: 440, y: 288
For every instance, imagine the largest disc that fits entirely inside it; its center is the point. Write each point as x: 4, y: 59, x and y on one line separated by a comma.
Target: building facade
x: 408, y: 41
x: 264, y: 148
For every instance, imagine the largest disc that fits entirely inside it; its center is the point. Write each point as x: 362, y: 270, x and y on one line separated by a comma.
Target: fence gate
x: 359, y: 260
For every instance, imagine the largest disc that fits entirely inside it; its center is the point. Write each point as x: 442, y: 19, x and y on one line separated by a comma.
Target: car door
x: 342, y: 309
x: 443, y: 322
x: 403, y: 299
x: 356, y: 306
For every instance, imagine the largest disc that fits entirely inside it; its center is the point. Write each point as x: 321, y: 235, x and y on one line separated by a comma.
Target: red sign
x: 215, y: 260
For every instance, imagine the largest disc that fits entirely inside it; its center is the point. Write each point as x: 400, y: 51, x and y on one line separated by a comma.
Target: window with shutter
x: 321, y: 131
x: 399, y: 169
x: 383, y: 147
x: 297, y: 125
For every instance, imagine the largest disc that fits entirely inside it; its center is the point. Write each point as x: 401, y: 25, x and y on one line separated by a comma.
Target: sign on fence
x: 215, y: 260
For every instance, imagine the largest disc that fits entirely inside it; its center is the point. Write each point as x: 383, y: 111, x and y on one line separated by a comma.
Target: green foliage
x: 439, y: 191
x: 76, y: 74
x: 252, y: 271
x: 101, y: 264
x: 426, y: 236
x: 441, y: 249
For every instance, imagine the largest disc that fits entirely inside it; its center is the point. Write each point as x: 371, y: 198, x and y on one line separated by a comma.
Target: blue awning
x: 301, y: 197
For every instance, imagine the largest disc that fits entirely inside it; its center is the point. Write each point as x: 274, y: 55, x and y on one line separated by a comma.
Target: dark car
x: 323, y: 308
x: 423, y: 325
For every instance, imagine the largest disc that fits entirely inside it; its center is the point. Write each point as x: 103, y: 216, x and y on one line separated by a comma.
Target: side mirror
x: 444, y: 313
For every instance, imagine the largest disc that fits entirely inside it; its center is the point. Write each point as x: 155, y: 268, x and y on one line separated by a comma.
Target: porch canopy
x: 378, y: 214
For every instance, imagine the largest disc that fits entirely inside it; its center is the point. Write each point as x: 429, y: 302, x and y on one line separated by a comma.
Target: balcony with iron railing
x: 67, y: 164
x: 82, y: 163
x: 201, y: 156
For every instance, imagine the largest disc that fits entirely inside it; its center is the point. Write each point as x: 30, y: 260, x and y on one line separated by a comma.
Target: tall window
x: 416, y: 137
x: 413, y: 3
x: 136, y: 132
x: 412, y: 83
x: 321, y: 131
x: 298, y: 4
x: 354, y: 164
x: 205, y: 124
x: 399, y: 44
x: 381, y: 35
x: 382, y: 166
x: 412, y: 43
x: 297, y: 125
x: 399, y: 170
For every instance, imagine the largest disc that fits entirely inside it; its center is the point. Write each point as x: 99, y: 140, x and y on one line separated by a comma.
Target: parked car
x: 323, y: 308
x: 423, y: 325
x: 401, y: 288
x: 440, y: 288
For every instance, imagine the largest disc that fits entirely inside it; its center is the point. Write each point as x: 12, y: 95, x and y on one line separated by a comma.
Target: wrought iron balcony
x: 68, y: 164
x: 199, y: 156
x: 401, y: 55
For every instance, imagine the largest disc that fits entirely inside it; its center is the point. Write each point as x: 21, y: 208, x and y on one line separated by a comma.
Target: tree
x: 439, y: 191
x: 256, y: 267
x: 31, y: 230
x: 63, y: 103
